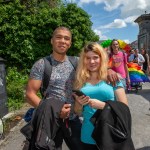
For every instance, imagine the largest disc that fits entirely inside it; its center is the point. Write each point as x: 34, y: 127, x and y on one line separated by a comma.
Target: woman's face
x: 115, y: 46
x: 143, y: 51
x: 92, y: 61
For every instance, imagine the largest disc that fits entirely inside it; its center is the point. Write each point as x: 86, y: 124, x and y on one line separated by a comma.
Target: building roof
x: 143, y: 17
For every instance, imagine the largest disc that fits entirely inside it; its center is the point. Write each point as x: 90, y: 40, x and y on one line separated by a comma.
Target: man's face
x: 136, y: 51
x: 61, y: 41
x: 132, y: 51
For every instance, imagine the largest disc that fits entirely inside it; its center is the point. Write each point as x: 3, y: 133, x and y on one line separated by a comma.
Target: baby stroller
x: 137, y: 77
x: 134, y: 86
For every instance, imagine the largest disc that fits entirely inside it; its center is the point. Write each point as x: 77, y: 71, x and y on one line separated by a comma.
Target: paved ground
x: 139, y: 104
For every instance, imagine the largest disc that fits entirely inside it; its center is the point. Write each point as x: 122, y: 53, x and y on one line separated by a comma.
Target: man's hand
x: 65, y: 111
x: 112, y: 77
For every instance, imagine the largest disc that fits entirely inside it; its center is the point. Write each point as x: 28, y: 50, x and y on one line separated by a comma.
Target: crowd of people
x: 99, y: 81
x: 142, y: 59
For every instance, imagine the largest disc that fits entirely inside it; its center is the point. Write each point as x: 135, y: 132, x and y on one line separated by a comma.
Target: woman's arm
x: 121, y: 95
x: 97, y: 104
x: 78, y: 108
x: 127, y: 74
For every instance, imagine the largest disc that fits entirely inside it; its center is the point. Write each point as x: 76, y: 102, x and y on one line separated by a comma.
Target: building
x: 144, y: 31
x: 134, y: 44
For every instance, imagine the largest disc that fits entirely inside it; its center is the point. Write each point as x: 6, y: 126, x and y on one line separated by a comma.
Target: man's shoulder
x: 39, y: 62
x: 140, y: 55
x: 75, y: 57
x: 73, y: 60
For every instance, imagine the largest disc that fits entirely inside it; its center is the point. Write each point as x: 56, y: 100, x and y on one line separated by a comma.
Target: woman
x: 146, y: 64
x: 91, y: 79
x: 119, y: 62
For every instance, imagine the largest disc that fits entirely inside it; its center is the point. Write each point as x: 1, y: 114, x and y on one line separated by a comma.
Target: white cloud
x: 101, y: 35
x: 130, y: 19
x: 111, y: 4
x: 127, y: 7
x: 127, y: 41
x: 117, y: 23
x: 124, y: 12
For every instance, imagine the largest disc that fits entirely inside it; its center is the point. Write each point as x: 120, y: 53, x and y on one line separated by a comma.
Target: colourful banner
x: 136, y: 74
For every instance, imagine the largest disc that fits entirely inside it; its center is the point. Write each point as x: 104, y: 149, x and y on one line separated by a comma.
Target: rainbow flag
x: 136, y: 74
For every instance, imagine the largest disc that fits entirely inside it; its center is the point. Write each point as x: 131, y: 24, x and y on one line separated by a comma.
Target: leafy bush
x: 16, y: 83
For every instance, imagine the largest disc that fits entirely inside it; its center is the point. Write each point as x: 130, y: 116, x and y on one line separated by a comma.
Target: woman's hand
x: 128, y: 81
x: 82, y: 100
x: 97, y: 104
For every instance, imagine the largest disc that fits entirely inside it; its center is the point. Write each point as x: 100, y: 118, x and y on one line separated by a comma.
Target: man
x: 139, y: 59
x: 60, y: 85
x: 131, y: 57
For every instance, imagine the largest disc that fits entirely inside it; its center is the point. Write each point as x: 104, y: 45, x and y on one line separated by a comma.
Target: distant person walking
x: 146, y: 64
x: 138, y: 58
x: 131, y: 56
x: 119, y: 62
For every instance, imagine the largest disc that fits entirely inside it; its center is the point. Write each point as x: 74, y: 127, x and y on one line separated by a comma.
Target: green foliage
x: 25, y: 32
x: 15, y: 88
x: 26, y: 27
x: 79, y: 22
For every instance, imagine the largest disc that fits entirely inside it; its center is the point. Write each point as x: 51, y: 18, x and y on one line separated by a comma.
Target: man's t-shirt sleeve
x: 37, y: 70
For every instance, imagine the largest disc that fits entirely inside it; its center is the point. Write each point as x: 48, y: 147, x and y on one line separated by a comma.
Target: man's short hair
x: 61, y: 28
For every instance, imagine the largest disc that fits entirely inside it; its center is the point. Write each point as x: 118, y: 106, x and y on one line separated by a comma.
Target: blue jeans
x: 74, y: 142
x: 124, y: 83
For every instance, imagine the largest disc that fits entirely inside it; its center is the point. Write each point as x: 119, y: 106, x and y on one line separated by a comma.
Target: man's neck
x: 59, y: 57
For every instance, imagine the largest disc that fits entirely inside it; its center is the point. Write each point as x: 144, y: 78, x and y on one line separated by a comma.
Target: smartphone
x: 77, y: 92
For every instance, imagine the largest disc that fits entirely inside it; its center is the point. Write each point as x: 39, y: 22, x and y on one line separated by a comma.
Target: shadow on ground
x: 144, y: 93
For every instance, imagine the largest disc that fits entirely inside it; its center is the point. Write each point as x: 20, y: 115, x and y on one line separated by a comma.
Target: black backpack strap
x: 48, y: 71
x: 47, y: 74
x: 74, y: 61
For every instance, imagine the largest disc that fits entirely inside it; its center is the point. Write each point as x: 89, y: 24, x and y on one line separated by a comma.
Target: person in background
x: 131, y: 56
x: 91, y: 77
x: 139, y: 59
x: 119, y: 62
x: 146, y: 64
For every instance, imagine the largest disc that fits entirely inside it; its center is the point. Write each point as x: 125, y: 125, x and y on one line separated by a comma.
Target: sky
x: 114, y: 19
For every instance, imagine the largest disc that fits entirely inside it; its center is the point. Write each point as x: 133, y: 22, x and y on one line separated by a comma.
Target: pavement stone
x: 139, y: 104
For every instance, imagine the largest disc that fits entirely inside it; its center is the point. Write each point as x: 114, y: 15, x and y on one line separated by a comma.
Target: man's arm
x: 141, y: 59
x: 31, y: 92
x: 112, y: 77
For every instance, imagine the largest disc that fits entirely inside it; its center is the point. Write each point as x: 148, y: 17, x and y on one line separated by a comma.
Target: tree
x: 80, y: 24
x: 25, y: 32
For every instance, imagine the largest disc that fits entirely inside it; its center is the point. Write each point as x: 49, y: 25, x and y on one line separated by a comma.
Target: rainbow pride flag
x: 136, y: 74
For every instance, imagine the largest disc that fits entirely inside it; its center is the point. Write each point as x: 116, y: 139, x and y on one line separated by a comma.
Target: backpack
x: 46, y: 78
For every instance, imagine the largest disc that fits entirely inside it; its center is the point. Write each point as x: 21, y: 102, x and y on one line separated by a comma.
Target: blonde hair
x: 82, y: 73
